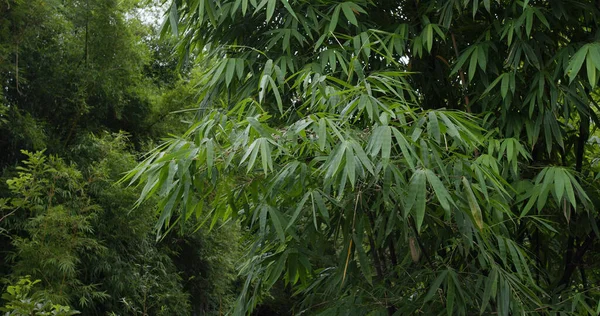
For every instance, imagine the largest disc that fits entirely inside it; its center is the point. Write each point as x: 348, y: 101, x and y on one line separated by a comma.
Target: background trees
x: 83, y: 84
x: 395, y: 157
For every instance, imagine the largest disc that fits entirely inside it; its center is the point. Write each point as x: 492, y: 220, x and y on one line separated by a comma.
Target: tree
x: 69, y: 68
x: 395, y: 157
x: 73, y: 75
x: 74, y: 230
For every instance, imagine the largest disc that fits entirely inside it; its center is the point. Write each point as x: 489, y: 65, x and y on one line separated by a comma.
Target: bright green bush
x: 21, y: 299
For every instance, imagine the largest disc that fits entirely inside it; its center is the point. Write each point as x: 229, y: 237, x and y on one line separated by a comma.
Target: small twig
x: 7, y: 215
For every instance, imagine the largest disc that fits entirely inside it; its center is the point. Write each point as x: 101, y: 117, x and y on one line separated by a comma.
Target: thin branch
x: 7, y: 215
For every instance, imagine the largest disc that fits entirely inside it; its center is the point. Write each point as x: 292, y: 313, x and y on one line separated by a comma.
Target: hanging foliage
x: 395, y: 157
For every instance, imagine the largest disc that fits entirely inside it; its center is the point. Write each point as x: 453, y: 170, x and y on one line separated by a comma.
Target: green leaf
x: 473, y: 64
x: 274, y: 271
x: 594, y: 54
x: 481, y: 58
x: 591, y: 70
x: 363, y: 260
x: 502, y: 249
x: 251, y: 153
x: 450, y: 294
x: 276, y: 220
x: 174, y: 18
x: 299, y: 208
x: 244, y: 6
x: 451, y: 128
x: 335, y: 161
x: 439, y: 189
x: 216, y: 76
x: 406, y: 148
x: 287, y: 6
x: 570, y: 194
x: 265, y: 153
x: 545, y: 189
x: 475, y: 209
x: 270, y: 9
x: 334, y: 19
x: 462, y: 59
x: 559, y: 183
x: 417, y: 197
x: 349, y: 168
x: 231, y: 65
x: 362, y: 157
x: 528, y: 21
x: 429, y: 36
x: 576, y: 62
x: 318, y: 200
x: 275, y: 90
x: 491, y: 283
x: 322, y: 134
x: 239, y: 67
x: 386, y: 142
x: 435, y: 286
x: 486, y: 4
x: 349, y: 13
x: 433, y: 126
x: 210, y: 154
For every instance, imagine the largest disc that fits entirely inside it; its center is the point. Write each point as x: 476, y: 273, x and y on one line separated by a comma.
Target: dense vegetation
x: 395, y: 157
x: 344, y: 157
x: 85, y: 86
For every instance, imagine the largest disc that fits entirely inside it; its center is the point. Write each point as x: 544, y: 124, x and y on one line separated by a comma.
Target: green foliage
x: 21, y: 301
x: 74, y: 67
x: 394, y: 157
x: 74, y: 229
x: 69, y: 69
x: 59, y: 229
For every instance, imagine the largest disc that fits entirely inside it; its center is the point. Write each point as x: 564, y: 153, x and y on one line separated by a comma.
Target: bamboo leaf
x: 363, y: 260
x: 559, y: 184
x: 386, y: 142
x: 231, y: 65
x: 450, y: 295
x: 475, y: 209
x: 576, y: 62
x: 491, y: 283
x: 270, y: 8
x: 265, y: 153
x: 299, y: 208
x: 429, y: 36
x: 174, y: 18
x: 439, y: 189
x: 349, y: 168
x: 334, y: 19
x: 287, y: 6
x: 349, y: 13
x: 591, y: 70
x: 318, y: 200
x: 322, y: 134
x: 473, y: 64
x: 276, y: 220
x: 433, y: 126
x: 435, y: 286
x: 418, y: 192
